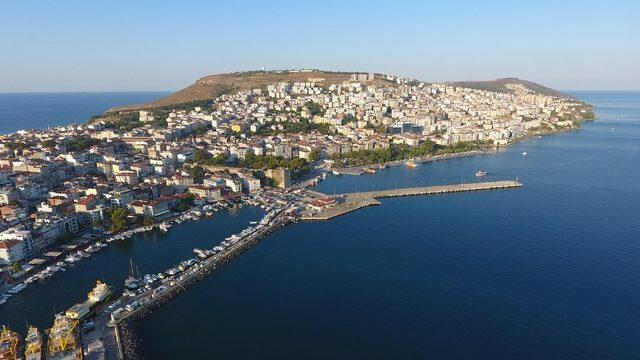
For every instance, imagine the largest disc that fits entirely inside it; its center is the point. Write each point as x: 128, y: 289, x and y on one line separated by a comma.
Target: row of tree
x: 399, y: 152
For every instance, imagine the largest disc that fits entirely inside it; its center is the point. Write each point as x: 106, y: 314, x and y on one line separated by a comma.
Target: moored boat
x: 63, y: 341
x: 9, y: 341
x: 33, y: 344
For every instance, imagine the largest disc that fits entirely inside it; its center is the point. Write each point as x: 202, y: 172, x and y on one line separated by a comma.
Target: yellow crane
x: 8, y: 344
x: 63, y: 336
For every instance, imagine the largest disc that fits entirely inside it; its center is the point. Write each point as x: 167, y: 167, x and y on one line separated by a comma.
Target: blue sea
x: 42, y: 110
x: 551, y: 270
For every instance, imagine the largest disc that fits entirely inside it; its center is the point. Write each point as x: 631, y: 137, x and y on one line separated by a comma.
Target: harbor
x: 152, y: 251
x: 87, y: 330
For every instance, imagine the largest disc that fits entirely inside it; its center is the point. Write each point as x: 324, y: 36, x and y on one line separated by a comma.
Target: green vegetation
x: 314, y: 155
x: 118, y: 217
x: 17, y: 146
x: 80, y: 143
x: 399, y: 152
x: 148, y: 220
x: 197, y: 172
x: 298, y: 166
x: 349, y: 118
x: 303, y: 126
x: 314, y: 108
x: 589, y: 115
x: 49, y: 143
x: 184, y: 204
x: 204, y: 158
x: 16, y: 267
x: 125, y: 121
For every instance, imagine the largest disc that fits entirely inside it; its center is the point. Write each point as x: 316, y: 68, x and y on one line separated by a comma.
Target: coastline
x: 358, y: 170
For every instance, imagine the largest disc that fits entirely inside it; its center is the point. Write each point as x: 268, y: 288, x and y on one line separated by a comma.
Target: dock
x: 122, y: 327
x: 441, y: 189
x: 352, y: 204
x: 359, y: 200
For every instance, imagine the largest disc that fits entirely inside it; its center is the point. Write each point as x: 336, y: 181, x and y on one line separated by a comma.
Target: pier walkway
x: 441, y: 189
x: 355, y: 201
x: 152, y: 299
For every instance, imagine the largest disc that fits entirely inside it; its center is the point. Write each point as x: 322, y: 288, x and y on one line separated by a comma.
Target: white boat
x: 100, y: 292
x: 481, y: 173
x: 524, y: 153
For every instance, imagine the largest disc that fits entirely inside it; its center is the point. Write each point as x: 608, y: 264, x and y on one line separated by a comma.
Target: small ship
x: 64, y: 340
x: 9, y: 341
x: 99, y: 294
x: 33, y: 344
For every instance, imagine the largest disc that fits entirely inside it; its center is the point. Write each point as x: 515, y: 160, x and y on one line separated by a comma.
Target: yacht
x: 481, y: 173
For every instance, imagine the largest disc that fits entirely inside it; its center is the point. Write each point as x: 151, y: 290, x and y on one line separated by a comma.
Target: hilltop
x: 499, y: 86
x: 212, y: 86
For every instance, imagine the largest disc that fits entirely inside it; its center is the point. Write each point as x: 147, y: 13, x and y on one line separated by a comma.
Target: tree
x: 314, y: 108
x: 198, y: 173
x: 148, y: 220
x: 349, y: 118
x: 118, y: 218
x: 16, y: 267
x: 314, y: 155
x: 80, y: 143
x: 49, y: 143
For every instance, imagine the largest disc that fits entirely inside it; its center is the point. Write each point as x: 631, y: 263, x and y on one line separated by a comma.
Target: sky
x: 87, y: 45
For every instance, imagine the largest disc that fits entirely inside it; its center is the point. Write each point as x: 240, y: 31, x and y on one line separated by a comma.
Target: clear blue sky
x: 164, y: 45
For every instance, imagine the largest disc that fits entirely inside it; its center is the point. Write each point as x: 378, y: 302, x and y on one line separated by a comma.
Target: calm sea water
x: 551, y: 270
x: 548, y: 271
x: 41, y: 110
x: 151, y: 252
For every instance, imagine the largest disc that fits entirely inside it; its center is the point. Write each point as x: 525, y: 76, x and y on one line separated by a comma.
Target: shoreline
x: 358, y: 170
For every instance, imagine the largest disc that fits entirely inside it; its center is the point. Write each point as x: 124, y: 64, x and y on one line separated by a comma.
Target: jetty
x: 440, y: 189
x: 121, y: 324
x: 359, y: 200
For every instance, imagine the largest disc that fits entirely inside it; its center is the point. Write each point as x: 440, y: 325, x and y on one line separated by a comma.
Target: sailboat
x: 133, y: 281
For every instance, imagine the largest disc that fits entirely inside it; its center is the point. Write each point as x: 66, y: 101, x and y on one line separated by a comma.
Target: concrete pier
x: 355, y: 201
x: 442, y: 189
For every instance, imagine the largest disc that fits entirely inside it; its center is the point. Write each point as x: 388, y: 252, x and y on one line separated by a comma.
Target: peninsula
x: 259, y: 138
